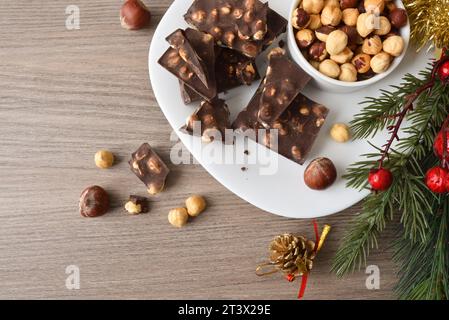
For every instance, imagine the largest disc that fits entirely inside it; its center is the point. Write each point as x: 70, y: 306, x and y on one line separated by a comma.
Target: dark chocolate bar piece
x: 149, y: 168
x: 179, y: 42
x: 283, y: 82
x: 203, y: 44
x: 232, y: 70
x: 297, y: 128
x: 235, y: 24
x: 209, y: 121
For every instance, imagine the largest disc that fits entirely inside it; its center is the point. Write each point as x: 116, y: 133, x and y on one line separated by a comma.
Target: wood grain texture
x: 66, y: 94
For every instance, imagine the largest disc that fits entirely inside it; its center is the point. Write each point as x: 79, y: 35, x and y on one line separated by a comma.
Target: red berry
x: 438, y: 144
x: 380, y: 179
x: 443, y: 72
x: 436, y: 179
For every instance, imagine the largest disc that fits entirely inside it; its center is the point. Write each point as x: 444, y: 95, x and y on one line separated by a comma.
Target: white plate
x: 284, y: 192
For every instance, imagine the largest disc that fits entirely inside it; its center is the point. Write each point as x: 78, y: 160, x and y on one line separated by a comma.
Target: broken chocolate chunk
x: 209, y: 121
x: 203, y: 45
x: 149, y: 168
x: 137, y: 205
x: 232, y: 70
x: 297, y: 128
x: 283, y: 82
x: 179, y: 42
x: 242, y: 25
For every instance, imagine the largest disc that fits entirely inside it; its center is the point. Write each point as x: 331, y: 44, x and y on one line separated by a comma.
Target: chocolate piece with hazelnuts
x: 149, y: 168
x: 176, y: 60
x: 209, y: 121
x: 136, y: 205
x: 283, y: 82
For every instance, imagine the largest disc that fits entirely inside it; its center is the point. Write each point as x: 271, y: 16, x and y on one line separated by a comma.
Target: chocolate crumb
x: 244, y: 169
x: 281, y: 44
x: 246, y: 152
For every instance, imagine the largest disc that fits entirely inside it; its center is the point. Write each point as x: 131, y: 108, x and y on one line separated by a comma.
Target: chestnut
x: 320, y: 174
x: 94, y: 202
x: 134, y: 15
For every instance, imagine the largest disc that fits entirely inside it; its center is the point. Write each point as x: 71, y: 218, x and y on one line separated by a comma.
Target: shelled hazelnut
x: 305, y: 38
x: 178, y: 217
x: 331, y: 16
x: 195, y: 205
x: 350, y: 33
x: 380, y: 62
x: 362, y: 62
x: 313, y: 6
x: 340, y: 132
x: 329, y: 68
x: 348, y: 73
x: 336, y: 42
x: 349, y: 16
x: 372, y: 45
x: 317, y: 51
x: 323, y: 32
x: 104, y: 159
x: 394, y: 45
x: 343, y: 57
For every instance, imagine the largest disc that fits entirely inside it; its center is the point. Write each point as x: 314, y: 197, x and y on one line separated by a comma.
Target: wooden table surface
x: 64, y: 94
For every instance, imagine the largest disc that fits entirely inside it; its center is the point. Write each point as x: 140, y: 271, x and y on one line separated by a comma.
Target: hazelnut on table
x: 94, y: 202
x: 134, y: 15
x: 320, y: 174
x: 104, y: 159
x: 178, y: 217
x: 195, y: 205
x: 136, y: 205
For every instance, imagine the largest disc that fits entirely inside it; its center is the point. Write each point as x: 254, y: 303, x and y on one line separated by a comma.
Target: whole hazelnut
x: 329, y: 68
x: 317, y: 51
x: 323, y: 32
x: 104, y: 159
x: 336, y: 42
x: 380, y: 62
x: 94, y: 202
x: 374, y: 6
x: 350, y: 16
x: 134, y: 15
x: 398, y: 17
x: 394, y: 45
x: 390, y: 5
x: 320, y: 174
x: 343, y: 57
x: 195, y: 205
x: 365, y: 24
x: 345, y: 4
x: 362, y: 62
x: 331, y: 3
x: 384, y: 26
x: 353, y: 36
x: 315, y: 22
x: 340, y: 132
x: 304, y: 38
x: 178, y: 217
x: 315, y: 64
x: 372, y: 45
x: 313, y: 6
x: 300, y: 18
x: 348, y: 73
x: 331, y: 16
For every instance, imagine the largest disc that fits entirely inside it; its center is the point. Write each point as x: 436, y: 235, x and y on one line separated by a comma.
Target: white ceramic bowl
x: 332, y: 85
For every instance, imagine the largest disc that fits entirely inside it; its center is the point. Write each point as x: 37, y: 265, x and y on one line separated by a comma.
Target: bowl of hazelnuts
x: 346, y: 45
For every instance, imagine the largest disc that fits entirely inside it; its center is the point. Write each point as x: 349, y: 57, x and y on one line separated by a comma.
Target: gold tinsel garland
x: 429, y: 22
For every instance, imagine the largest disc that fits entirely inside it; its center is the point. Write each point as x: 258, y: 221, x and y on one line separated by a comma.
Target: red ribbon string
x: 305, y: 276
